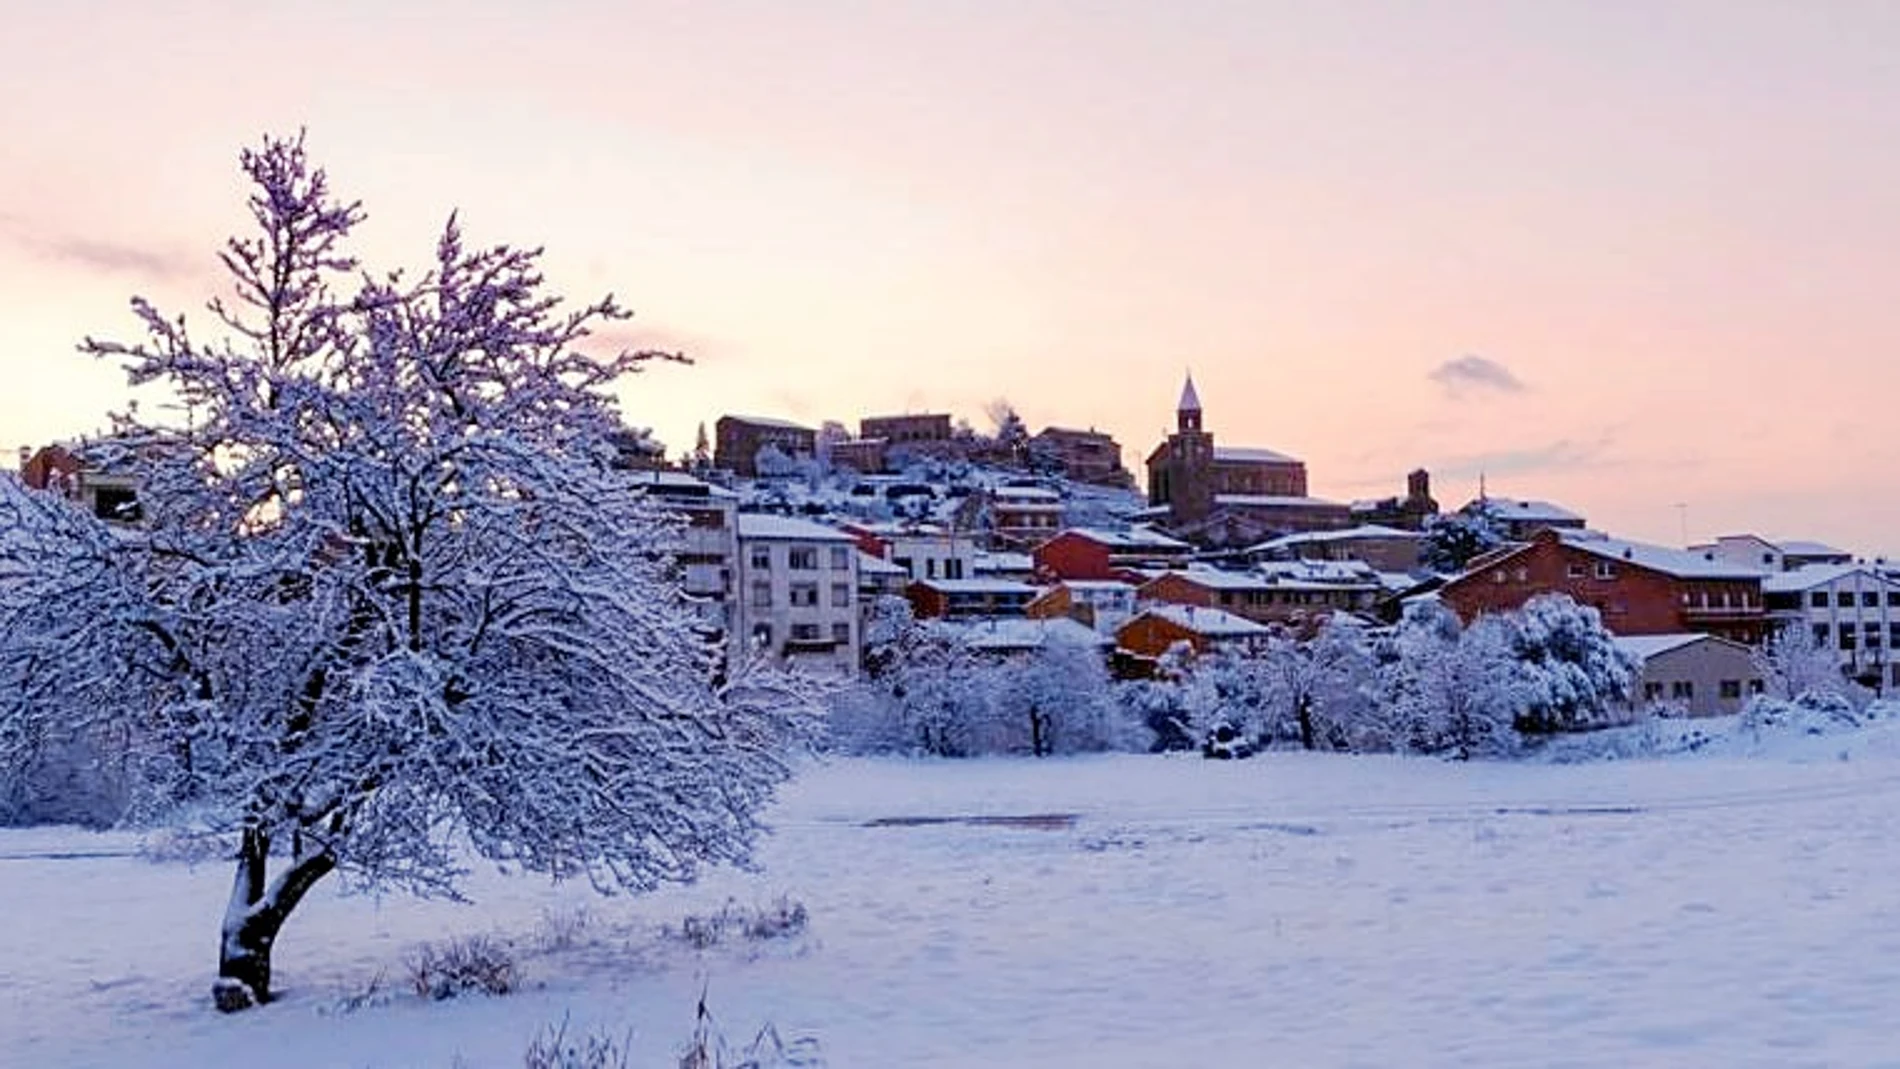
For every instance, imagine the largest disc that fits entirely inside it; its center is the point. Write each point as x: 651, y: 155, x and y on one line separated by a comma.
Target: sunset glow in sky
x: 1627, y: 256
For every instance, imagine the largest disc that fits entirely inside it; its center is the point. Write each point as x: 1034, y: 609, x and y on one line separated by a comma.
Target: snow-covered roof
x: 1241, y: 454
x: 663, y: 482
x: 1024, y: 634
x: 1799, y: 548
x: 1097, y: 585
x: 768, y: 421
x: 1003, y: 562
x: 1677, y: 562
x: 869, y: 565
x: 1809, y: 576
x: 1529, y: 511
x: 1213, y: 623
x: 1215, y: 579
x: 1363, y: 532
x: 1269, y: 501
x: 759, y: 525
x: 980, y: 586
x: 1643, y: 647
x: 1132, y: 538
x: 1025, y: 493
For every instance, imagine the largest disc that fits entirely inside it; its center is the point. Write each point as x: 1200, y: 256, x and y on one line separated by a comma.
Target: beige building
x: 798, y: 593
x: 1698, y: 674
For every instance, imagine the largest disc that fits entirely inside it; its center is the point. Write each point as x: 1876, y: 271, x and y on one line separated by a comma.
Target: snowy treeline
x: 1428, y: 685
x: 934, y: 693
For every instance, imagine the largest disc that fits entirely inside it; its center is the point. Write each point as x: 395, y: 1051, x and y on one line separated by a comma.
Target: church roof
x: 1190, y: 401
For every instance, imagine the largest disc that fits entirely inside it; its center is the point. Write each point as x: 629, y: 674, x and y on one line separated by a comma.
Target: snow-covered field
x: 1291, y: 910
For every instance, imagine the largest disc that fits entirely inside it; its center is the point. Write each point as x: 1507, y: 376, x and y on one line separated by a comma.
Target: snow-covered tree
x: 1452, y: 540
x: 1445, y: 688
x: 1055, y: 700
x: 390, y: 601
x: 1314, y: 687
x: 1791, y: 664
x: 1569, y: 671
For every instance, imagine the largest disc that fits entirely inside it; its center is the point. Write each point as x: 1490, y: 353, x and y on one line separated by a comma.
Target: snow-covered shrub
x: 563, y: 929
x: 551, y: 1049
x: 1567, y: 671
x: 1791, y: 664
x: 934, y: 694
x: 708, y: 1048
x: 779, y: 920
x: 1445, y: 688
x: 466, y: 964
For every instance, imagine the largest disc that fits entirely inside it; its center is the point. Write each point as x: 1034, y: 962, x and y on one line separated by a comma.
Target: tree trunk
x: 255, y: 915
x: 1305, y: 710
x: 1036, y: 745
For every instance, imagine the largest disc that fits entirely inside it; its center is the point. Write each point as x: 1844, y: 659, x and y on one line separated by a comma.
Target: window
x: 1818, y: 599
x: 802, y: 558
x: 1521, y: 574
x: 115, y: 503
x: 762, y: 558
x: 1606, y: 570
x: 840, y: 558
x: 1756, y: 686
x: 1498, y: 576
x: 804, y: 632
x: 762, y: 635
x: 840, y: 595
x: 1847, y: 636
x: 841, y: 633
x: 1893, y: 634
x: 1652, y: 692
x: 1731, y: 689
x: 1893, y: 599
x: 930, y: 568
x: 1682, y: 690
x: 1574, y: 570
x: 1844, y: 599
x: 1768, y: 558
x: 953, y: 569
x: 1820, y: 634
x: 804, y: 595
x: 1870, y: 599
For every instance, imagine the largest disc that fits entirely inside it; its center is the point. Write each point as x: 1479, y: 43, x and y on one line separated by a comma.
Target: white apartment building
x: 1853, y: 609
x: 798, y: 593
x: 710, y: 548
x: 1754, y: 551
x: 923, y: 550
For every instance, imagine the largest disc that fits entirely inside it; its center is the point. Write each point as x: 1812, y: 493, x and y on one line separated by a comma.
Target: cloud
x: 1564, y: 454
x: 1475, y: 373
x: 96, y: 255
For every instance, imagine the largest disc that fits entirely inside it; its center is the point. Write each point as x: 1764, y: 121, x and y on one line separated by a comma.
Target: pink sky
x: 1675, y: 226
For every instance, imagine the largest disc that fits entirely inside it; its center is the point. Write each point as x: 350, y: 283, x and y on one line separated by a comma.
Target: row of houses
x: 885, y: 442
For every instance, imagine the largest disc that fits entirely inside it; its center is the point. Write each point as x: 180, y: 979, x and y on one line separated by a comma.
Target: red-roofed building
x: 1639, y: 589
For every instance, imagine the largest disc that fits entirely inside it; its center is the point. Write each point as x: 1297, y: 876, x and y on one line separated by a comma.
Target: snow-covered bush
x: 1567, y: 671
x: 932, y: 693
x: 476, y: 964
x: 1791, y: 664
x: 1445, y: 688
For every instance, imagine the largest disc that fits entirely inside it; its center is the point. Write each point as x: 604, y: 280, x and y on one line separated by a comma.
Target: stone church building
x: 1228, y: 495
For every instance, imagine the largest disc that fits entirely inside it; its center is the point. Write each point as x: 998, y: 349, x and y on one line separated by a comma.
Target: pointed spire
x: 1190, y: 401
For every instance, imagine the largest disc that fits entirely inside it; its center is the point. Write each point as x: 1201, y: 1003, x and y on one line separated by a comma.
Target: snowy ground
x: 1290, y: 910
